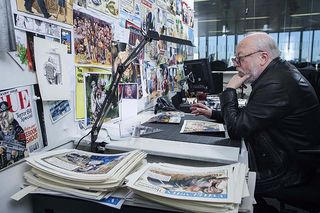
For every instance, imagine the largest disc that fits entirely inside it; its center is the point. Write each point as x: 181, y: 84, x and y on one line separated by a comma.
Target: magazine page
x: 19, y: 131
x: 199, y: 184
x: 192, y: 126
x: 80, y: 164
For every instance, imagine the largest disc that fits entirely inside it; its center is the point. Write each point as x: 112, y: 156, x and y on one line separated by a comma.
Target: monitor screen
x: 200, y: 79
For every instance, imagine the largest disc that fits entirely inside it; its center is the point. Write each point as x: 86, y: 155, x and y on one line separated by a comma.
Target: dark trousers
x: 43, y: 8
x: 28, y: 4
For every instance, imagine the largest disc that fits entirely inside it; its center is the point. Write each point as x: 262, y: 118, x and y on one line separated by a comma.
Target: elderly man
x: 282, y: 114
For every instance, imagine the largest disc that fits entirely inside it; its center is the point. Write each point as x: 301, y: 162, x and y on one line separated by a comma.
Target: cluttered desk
x: 194, y: 156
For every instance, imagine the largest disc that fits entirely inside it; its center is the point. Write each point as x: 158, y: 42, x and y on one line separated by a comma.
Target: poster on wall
x: 19, y: 132
x: 80, y: 92
x: 96, y: 85
x: 50, y: 9
x: 109, y: 7
x: 52, y: 73
x: 92, y: 40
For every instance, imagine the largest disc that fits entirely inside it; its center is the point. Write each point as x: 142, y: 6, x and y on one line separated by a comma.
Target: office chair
x: 304, y: 196
x: 313, y: 77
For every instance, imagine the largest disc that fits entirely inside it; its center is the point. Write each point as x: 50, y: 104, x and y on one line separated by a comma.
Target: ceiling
x: 216, y: 17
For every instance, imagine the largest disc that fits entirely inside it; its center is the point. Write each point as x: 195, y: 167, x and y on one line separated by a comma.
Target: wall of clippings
x: 74, y: 48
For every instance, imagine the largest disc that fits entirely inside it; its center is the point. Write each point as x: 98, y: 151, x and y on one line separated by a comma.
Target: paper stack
x: 79, y: 173
x: 197, y: 189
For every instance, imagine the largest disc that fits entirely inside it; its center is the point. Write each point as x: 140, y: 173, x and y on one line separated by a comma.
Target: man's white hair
x: 265, y: 42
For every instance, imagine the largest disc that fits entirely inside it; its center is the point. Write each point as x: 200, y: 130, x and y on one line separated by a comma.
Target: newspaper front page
x: 214, y: 184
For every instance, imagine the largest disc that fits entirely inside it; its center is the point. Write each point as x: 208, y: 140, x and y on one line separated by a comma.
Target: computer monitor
x: 201, y: 78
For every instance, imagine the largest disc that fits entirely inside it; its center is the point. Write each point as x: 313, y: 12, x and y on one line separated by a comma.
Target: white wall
x: 11, y: 179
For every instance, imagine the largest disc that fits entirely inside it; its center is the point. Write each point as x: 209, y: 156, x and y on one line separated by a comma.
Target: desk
x: 170, y: 143
x: 196, y: 150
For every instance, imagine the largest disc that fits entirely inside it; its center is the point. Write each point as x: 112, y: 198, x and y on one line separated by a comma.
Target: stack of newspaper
x: 83, y: 174
x: 196, y: 189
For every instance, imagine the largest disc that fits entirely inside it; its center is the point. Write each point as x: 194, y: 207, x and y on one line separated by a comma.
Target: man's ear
x: 264, y: 58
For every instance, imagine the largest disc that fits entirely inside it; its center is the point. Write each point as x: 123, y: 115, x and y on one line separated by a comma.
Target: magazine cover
x: 19, y: 131
x: 167, y: 117
x: 190, y: 126
x: 96, y: 85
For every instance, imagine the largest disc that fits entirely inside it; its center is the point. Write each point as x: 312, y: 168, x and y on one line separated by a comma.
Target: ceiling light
x: 218, y: 31
x: 305, y: 14
x: 290, y: 28
x: 255, y: 18
x: 200, y: 0
x: 208, y: 20
x: 215, y: 31
x: 257, y: 29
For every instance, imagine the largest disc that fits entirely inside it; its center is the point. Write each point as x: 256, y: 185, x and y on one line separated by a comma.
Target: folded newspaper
x: 200, y: 189
x: 79, y: 173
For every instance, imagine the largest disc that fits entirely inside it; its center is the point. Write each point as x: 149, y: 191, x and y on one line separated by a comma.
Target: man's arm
x: 266, y: 105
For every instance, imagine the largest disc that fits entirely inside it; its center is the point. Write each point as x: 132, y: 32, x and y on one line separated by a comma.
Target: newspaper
x: 204, y: 189
x: 191, y: 126
x: 210, y: 184
x: 79, y: 173
x: 80, y: 165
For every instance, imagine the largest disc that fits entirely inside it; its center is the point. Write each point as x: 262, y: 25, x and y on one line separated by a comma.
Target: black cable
x: 83, y: 138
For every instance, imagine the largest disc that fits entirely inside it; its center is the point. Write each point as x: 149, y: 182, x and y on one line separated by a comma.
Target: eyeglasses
x: 237, y: 59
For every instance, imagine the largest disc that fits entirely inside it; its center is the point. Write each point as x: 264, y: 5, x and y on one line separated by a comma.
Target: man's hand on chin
x: 237, y: 80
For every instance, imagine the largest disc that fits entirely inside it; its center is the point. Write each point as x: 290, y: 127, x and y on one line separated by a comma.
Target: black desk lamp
x: 110, y: 94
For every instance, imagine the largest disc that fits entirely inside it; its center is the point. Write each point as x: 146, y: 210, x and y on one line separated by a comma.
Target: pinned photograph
x: 96, y: 85
x: 128, y: 91
x: 59, y: 109
x: 66, y: 39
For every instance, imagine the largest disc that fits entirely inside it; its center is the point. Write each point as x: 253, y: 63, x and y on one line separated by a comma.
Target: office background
x: 294, y: 24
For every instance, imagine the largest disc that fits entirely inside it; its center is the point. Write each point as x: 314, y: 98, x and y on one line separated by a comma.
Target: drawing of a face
x: 6, y: 119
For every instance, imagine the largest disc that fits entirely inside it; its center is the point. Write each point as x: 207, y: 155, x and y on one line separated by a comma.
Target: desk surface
x: 171, y: 143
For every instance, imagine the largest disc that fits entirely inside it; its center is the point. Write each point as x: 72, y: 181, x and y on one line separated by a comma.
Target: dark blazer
x: 282, y: 116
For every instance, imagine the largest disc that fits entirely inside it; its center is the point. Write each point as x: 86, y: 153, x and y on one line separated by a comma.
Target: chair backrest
x: 218, y: 66
x: 314, y: 78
